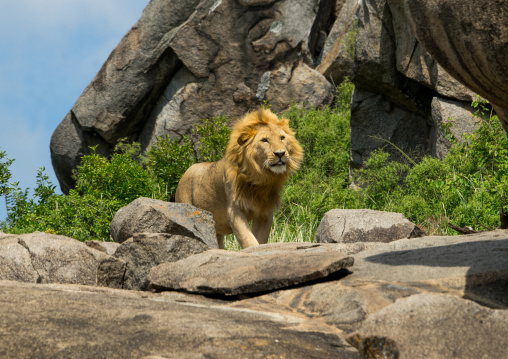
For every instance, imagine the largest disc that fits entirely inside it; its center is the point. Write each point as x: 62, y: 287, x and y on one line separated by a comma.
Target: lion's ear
x: 284, y: 123
x: 245, y: 136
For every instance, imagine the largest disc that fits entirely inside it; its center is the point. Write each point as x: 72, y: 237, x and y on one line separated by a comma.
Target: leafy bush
x: 5, y: 173
x: 212, y: 138
x: 121, y: 177
x: 105, y: 185
x: 168, y: 159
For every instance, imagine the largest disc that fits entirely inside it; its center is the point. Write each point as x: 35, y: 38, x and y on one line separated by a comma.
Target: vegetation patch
x: 466, y: 188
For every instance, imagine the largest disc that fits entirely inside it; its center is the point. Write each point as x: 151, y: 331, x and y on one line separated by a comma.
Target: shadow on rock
x: 478, y: 265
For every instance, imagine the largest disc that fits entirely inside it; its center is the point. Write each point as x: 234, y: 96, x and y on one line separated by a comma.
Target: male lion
x: 245, y: 185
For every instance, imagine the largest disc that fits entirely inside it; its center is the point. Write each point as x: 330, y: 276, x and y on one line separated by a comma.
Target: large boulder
x: 142, y: 252
x: 364, y: 225
x: 468, y: 39
x: 184, y: 61
x: 146, y: 215
x: 233, y: 273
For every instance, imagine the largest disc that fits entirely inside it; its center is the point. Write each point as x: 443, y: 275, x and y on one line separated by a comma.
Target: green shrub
x: 105, y: 185
x: 5, y: 173
x: 212, y: 138
x: 168, y: 159
x: 121, y: 177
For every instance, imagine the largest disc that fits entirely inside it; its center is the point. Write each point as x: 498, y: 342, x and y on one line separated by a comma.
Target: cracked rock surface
x: 426, y: 297
x: 48, y: 258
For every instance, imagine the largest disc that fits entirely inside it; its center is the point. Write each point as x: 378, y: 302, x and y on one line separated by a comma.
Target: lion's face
x: 263, y: 149
x: 270, y: 149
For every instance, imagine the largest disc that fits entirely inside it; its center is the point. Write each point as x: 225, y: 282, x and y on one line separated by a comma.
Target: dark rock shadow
x: 338, y: 275
x: 486, y: 278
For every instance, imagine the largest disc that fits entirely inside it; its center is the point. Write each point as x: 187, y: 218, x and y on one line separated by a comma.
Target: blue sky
x: 50, y: 50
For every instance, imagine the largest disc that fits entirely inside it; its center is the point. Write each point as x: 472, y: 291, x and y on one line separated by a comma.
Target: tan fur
x: 245, y: 185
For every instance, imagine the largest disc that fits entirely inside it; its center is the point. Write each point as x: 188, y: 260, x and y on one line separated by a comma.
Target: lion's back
x: 202, y: 185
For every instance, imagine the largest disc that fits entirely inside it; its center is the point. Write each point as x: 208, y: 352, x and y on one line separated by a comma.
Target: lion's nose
x: 279, y: 153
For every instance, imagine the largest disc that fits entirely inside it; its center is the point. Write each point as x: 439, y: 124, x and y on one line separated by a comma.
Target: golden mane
x: 257, y: 191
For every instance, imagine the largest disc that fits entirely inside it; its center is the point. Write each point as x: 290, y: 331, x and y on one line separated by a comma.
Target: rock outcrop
x: 429, y: 297
x: 399, y: 88
x: 185, y: 61
x: 468, y: 39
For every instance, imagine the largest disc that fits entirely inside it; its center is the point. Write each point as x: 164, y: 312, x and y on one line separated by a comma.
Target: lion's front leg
x: 240, y: 226
x: 261, y: 227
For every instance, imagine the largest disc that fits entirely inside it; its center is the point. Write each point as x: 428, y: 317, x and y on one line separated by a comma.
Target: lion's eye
x: 282, y: 138
x: 264, y: 140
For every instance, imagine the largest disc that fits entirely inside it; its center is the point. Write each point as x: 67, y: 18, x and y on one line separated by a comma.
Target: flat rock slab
x: 71, y: 321
x: 431, y: 326
x: 307, y: 247
x: 474, y: 266
x: 232, y: 273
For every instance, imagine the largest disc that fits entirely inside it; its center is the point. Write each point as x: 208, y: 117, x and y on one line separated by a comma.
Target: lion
x: 246, y: 184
